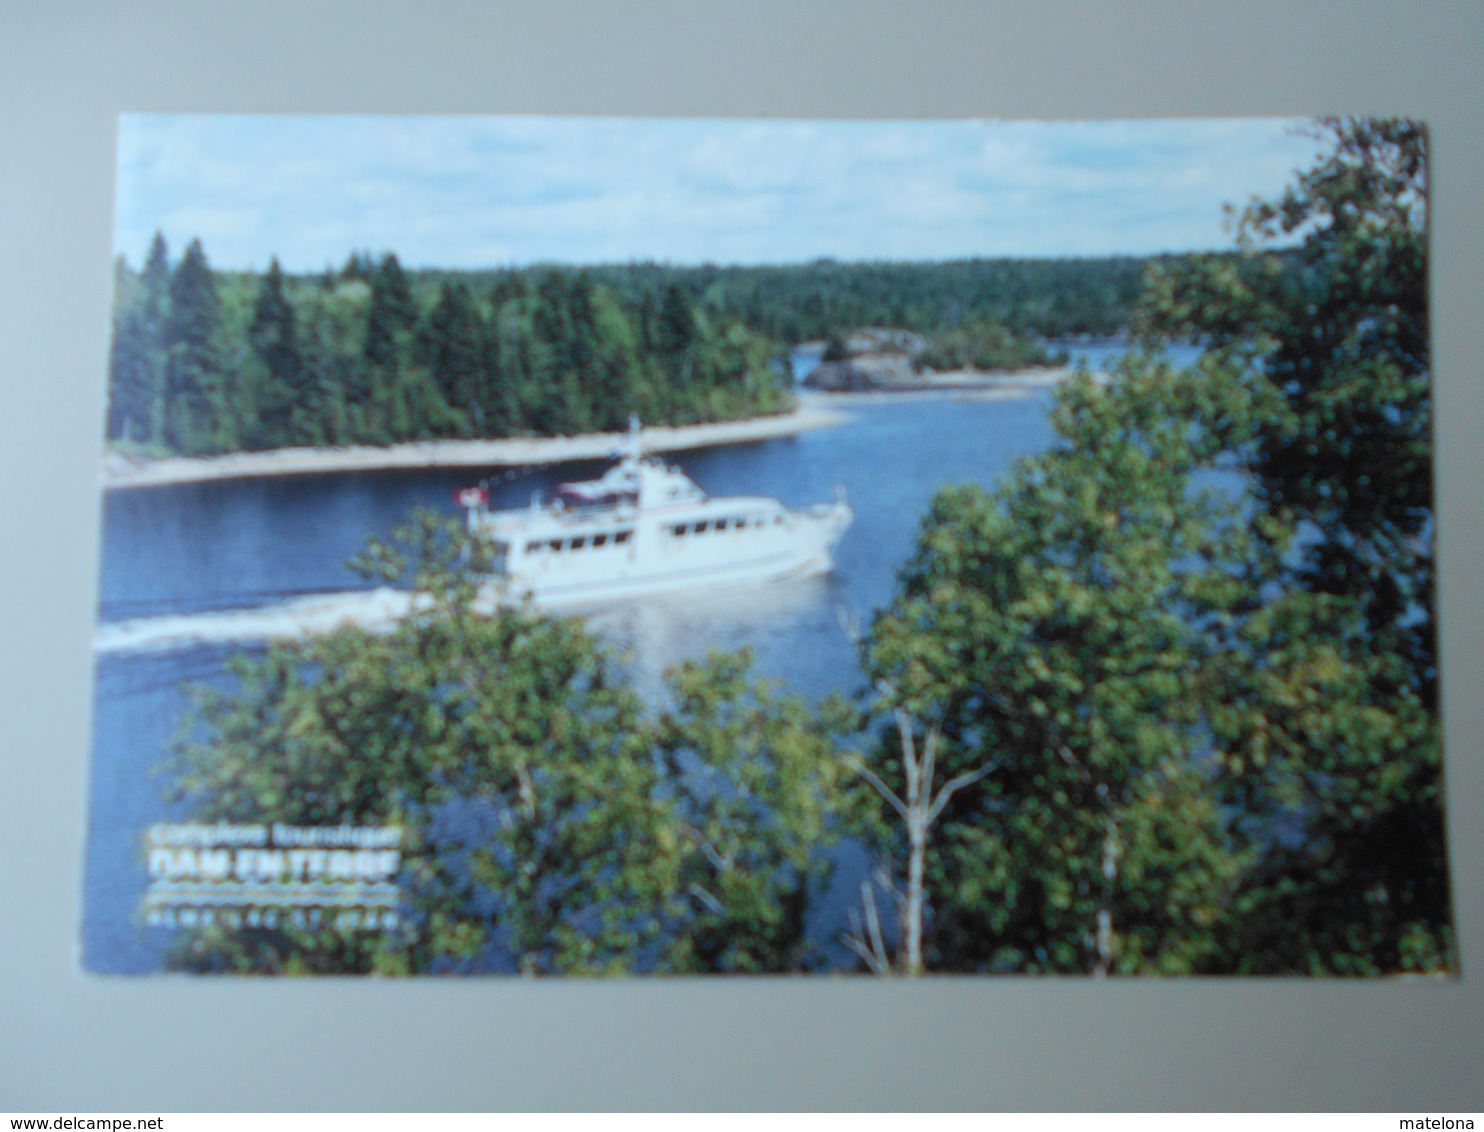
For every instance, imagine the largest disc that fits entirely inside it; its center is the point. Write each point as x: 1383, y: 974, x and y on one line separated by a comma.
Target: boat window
x: 554, y: 544
x: 599, y: 540
x: 721, y: 524
x: 678, y: 529
x: 622, y: 537
x: 532, y: 547
x: 701, y: 527
x: 579, y: 542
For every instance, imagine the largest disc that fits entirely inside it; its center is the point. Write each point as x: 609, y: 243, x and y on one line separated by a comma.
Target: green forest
x: 206, y: 362
x: 1047, y: 298
x: 1123, y: 720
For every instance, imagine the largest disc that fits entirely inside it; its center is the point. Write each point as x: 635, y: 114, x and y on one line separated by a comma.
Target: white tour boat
x: 646, y: 528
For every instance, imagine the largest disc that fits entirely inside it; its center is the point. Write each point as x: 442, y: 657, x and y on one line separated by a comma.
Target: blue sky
x: 473, y: 191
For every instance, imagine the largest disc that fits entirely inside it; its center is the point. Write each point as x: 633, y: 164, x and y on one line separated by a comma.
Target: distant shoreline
x: 120, y: 471
x: 1008, y: 383
x: 962, y: 385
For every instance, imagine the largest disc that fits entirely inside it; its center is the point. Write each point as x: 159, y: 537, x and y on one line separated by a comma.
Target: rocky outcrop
x: 839, y: 377
x: 862, y: 373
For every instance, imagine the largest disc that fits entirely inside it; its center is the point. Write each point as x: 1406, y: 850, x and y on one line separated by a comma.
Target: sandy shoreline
x: 120, y: 471
x: 816, y: 410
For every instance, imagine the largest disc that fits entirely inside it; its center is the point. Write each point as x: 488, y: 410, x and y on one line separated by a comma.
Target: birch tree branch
x: 707, y: 899
x: 873, y: 922
x: 870, y: 949
x: 954, y: 785
x: 886, y: 792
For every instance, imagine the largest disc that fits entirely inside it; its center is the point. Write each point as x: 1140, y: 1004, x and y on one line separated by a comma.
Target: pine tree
x: 130, y: 363
x: 556, y: 354
x: 392, y: 315
x: 155, y: 288
x: 504, y: 378
x: 136, y: 361
x: 193, y: 416
x: 614, y: 381
x: 359, y: 266
x: 275, y: 337
x: 451, y: 345
x: 677, y: 333
x: 384, y: 399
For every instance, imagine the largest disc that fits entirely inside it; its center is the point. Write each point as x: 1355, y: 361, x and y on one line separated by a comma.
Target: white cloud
x: 471, y: 191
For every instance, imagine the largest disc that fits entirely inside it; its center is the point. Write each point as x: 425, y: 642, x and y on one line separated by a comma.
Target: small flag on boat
x: 472, y: 496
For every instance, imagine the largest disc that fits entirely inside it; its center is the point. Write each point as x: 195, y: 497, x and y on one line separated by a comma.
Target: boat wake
x: 376, y: 610
x: 380, y: 610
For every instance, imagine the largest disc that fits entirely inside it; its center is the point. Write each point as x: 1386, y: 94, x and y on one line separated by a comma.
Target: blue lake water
x: 1104, y: 354
x: 188, y: 549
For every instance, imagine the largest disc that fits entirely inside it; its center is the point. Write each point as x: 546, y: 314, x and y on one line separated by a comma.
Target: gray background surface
x: 78, y: 1043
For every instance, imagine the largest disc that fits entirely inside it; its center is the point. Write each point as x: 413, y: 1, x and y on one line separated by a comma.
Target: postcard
x: 635, y: 547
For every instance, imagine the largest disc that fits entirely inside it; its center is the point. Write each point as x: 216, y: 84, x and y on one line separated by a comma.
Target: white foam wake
x: 377, y: 610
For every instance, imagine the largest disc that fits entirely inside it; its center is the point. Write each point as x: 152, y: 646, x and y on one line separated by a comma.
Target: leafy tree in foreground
x: 550, y: 826
x: 1340, y: 329
x: 1339, y: 721
x: 1195, y: 637
x: 917, y: 801
x: 504, y: 746
x: 1054, y: 632
x: 755, y: 781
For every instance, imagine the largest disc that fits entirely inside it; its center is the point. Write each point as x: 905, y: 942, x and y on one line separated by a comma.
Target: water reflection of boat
x: 646, y: 528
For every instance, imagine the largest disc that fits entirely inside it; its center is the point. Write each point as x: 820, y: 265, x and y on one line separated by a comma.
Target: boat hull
x: 802, y: 548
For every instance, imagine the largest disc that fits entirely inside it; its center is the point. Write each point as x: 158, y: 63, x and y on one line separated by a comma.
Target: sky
x: 470, y: 191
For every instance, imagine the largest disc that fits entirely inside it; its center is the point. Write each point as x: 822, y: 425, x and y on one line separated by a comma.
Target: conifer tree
x: 451, y: 345
x: 155, y: 292
x: 193, y: 417
x: 359, y: 266
x: 130, y: 363
x: 136, y: 361
x: 677, y: 333
x: 283, y: 403
x: 555, y: 356
x: 503, y: 375
x: 384, y: 398
x: 614, y: 382
x: 393, y: 312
